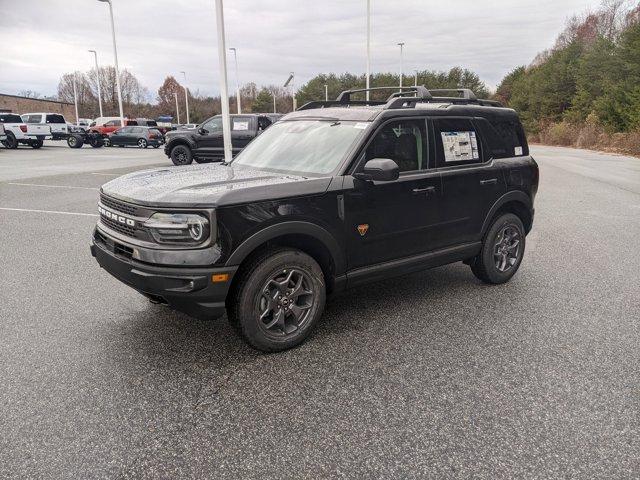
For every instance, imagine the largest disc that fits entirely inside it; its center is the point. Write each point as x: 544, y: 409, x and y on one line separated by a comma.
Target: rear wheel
x: 142, y: 143
x: 502, y: 250
x: 75, y: 141
x: 280, y: 295
x: 38, y: 143
x: 11, y: 141
x: 181, y: 155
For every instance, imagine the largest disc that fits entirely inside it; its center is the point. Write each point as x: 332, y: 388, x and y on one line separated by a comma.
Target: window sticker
x: 240, y: 125
x: 518, y: 151
x: 460, y: 146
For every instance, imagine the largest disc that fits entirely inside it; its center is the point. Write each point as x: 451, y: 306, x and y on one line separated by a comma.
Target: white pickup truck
x: 19, y: 133
x: 59, y: 128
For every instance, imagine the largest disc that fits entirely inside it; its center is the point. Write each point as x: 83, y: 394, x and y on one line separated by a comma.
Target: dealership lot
x: 433, y: 373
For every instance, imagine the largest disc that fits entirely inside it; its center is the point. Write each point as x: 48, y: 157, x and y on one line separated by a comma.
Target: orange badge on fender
x: 363, y: 228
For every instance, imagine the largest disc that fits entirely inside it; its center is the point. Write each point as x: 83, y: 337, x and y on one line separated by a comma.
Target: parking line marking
x: 50, y: 186
x: 48, y: 211
x: 108, y: 174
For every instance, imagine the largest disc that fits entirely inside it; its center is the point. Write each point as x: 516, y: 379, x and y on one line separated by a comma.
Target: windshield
x: 305, y: 146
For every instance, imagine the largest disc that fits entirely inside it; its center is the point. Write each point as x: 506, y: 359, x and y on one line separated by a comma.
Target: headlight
x: 178, y: 228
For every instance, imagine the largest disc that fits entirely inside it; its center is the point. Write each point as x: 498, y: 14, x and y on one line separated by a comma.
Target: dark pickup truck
x: 204, y: 144
x: 332, y: 196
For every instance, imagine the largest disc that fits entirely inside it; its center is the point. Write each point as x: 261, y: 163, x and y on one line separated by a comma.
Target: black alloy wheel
x: 181, y: 155
x: 11, y: 141
x: 502, y: 250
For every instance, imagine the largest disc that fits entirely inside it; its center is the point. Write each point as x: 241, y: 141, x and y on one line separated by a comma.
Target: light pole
x: 115, y: 57
x: 95, y: 55
x: 288, y: 83
x: 224, y: 91
x: 186, y: 94
x: 401, y: 62
x: 326, y: 92
x: 75, y: 98
x: 235, y: 56
x: 175, y: 95
x: 368, y: 46
x: 415, y: 78
x: 275, y: 110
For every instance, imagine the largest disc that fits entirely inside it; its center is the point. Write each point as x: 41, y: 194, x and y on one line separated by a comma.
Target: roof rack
x: 407, y: 97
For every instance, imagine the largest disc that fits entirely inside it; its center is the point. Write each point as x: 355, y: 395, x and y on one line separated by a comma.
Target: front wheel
x: 142, y: 143
x: 181, y: 155
x: 279, y: 297
x: 502, y: 250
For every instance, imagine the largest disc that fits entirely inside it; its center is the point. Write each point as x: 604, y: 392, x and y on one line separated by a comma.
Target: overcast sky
x: 42, y: 39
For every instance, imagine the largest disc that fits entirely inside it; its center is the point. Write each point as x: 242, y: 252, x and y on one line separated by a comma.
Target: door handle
x: 491, y: 181
x: 426, y: 191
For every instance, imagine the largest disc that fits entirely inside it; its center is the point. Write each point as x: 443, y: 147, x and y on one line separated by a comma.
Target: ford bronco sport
x: 334, y: 195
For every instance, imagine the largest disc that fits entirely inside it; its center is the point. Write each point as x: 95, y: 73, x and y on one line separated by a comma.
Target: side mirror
x: 379, y: 170
x: 202, y: 131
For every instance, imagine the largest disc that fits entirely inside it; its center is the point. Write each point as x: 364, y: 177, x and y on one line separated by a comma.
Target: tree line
x: 588, y: 84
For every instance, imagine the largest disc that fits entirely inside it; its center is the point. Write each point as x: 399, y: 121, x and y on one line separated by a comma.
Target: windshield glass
x: 305, y: 146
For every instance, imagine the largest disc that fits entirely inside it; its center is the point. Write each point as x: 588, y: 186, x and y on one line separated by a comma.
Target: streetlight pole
x: 415, y: 79
x: 175, y: 95
x: 186, y: 94
x: 224, y: 91
x: 95, y: 55
x: 275, y: 110
x: 368, y: 46
x: 75, y: 98
x: 115, y: 57
x: 326, y: 92
x: 401, y: 62
x: 235, y: 56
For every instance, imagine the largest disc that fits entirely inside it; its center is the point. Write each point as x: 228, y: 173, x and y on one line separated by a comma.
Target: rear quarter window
x: 55, y: 119
x: 504, y: 138
x: 10, y: 118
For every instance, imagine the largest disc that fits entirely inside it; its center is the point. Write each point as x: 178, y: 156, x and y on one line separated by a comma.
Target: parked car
x: 152, y: 123
x: 111, y: 126
x: 141, y: 137
x: 17, y: 132
x: 59, y: 127
x: 204, y: 144
x: 332, y: 196
x: 3, y: 134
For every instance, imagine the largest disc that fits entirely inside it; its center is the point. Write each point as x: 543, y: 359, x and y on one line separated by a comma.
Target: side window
x: 263, y: 123
x: 55, y: 119
x: 456, y: 142
x: 113, y: 123
x: 32, y: 118
x: 404, y: 142
x: 214, y: 125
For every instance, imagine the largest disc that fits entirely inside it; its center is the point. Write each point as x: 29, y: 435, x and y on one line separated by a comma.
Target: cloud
x: 42, y: 40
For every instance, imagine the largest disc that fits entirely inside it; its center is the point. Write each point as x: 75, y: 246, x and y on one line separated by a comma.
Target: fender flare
x: 180, y: 141
x: 287, y: 228
x: 513, y: 196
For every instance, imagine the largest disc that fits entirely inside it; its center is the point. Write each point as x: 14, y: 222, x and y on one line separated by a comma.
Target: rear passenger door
x: 471, y: 182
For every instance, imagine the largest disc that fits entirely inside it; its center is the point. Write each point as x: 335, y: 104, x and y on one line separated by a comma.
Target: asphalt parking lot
x: 431, y: 375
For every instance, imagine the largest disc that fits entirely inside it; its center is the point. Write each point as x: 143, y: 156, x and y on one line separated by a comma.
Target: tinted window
x: 151, y: 123
x: 213, y: 125
x: 55, y: 119
x: 456, y: 142
x: 10, y: 118
x: 32, y: 118
x: 404, y: 142
x: 130, y: 122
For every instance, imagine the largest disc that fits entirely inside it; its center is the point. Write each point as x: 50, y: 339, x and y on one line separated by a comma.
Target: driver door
x: 386, y: 221
x: 210, y: 142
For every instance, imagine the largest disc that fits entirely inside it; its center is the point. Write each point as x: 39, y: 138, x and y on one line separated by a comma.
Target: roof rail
x: 345, y: 97
x: 466, y: 93
x: 335, y: 103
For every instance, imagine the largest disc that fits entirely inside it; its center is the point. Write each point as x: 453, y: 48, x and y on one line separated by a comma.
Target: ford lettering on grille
x: 116, y: 217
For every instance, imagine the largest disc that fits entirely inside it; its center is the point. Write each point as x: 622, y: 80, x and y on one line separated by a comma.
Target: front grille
x: 118, y: 227
x: 117, y: 205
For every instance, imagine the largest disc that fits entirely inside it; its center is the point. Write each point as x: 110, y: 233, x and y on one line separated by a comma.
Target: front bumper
x: 188, y: 290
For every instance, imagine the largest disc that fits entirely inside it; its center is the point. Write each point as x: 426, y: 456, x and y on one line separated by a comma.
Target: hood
x: 209, y: 185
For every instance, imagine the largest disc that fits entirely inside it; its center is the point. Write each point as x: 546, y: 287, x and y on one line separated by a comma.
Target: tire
x: 75, y: 141
x: 502, y: 250
x: 38, y: 143
x: 11, y: 142
x: 142, y: 143
x: 96, y: 142
x: 181, y: 155
x: 267, y: 305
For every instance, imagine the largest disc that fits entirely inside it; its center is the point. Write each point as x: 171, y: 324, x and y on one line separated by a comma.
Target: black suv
x: 204, y: 143
x: 334, y: 195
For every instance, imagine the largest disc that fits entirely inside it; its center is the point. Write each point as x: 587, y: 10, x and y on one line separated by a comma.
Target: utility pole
x: 401, y: 62
x: 368, y: 46
x: 235, y: 56
x: 115, y: 57
x: 175, y: 95
x: 75, y: 98
x: 186, y: 94
x: 415, y: 80
x: 275, y: 110
x: 326, y: 92
x: 95, y: 54
x: 224, y: 91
